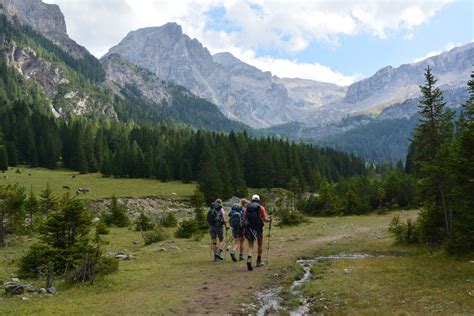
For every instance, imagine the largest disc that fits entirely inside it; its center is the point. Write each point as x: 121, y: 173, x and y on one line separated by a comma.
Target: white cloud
x: 269, y: 24
x: 446, y: 48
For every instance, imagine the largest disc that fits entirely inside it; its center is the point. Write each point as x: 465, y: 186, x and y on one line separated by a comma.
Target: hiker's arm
x: 224, y: 218
x: 263, y: 214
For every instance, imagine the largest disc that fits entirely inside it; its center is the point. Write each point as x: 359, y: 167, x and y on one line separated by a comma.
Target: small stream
x: 270, y: 300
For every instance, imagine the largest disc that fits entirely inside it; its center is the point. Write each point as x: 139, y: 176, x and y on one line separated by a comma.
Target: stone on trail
x: 51, y: 290
x: 13, y: 288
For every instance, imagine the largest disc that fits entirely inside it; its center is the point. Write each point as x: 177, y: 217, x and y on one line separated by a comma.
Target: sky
x: 338, y: 41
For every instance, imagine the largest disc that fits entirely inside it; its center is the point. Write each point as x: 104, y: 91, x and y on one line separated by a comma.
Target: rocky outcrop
x: 121, y: 73
x: 44, y: 18
x: 392, y: 85
x: 65, y: 98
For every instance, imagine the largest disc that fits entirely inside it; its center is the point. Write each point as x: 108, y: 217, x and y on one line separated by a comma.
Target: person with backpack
x: 216, y: 219
x: 254, y: 217
x: 236, y: 223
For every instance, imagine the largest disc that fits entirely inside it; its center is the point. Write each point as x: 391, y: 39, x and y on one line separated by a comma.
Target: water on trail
x: 270, y: 300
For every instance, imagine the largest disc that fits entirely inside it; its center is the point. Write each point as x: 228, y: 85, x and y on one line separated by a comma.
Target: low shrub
x: 144, y: 223
x: 155, y: 235
x: 186, y: 229
x: 291, y: 218
x: 169, y: 220
x: 403, y: 233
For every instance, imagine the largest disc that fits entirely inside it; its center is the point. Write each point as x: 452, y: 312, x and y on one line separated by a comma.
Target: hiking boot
x: 260, y: 263
x: 232, y: 255
x: 218, y: 255
x: 241, y: 257
x: 249, y: 266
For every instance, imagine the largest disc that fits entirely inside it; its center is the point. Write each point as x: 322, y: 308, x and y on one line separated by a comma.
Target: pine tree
x: 3, y: 158
x: 186, y: 173
x: 463, y: 174
x: 431, y: 142
x: 209, y: 180
x: 32, y: 206
x: 117, y: 214
x: 48, y: 202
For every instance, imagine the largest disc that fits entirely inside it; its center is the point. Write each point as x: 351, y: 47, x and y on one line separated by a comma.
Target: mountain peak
x: 44, y: 18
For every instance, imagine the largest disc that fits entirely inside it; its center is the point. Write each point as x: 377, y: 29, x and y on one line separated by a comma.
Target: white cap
x: 255, y: 197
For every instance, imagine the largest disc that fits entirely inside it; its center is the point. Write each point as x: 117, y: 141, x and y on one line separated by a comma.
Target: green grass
x: 100, y: 187
x: 186, y: 281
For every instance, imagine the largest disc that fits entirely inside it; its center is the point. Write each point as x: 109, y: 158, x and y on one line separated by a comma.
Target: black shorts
x: 252, y: 234
x: 237, y: 232
x: 216, y: 232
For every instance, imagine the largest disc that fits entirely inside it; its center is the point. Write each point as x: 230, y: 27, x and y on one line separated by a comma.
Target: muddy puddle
x: 270, y: 299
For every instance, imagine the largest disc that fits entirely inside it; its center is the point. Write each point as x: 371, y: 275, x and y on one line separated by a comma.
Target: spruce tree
x: 48, y: 202
x: 3, y: 158
x: 431, y: 141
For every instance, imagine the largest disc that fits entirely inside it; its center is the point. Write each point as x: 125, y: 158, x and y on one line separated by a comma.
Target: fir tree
x: 3, y: 158
x: 431, y: 140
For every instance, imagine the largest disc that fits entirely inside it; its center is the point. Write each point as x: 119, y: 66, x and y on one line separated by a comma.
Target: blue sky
x: 337, y: 41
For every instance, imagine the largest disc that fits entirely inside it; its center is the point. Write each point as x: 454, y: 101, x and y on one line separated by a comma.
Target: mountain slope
x: 44, y: 18
x: 241, y: 91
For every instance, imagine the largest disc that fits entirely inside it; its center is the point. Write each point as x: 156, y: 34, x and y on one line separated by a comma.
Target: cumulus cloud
x: 251, y: 25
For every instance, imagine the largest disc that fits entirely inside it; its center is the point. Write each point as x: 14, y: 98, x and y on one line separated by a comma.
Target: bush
x: 186, y: 229
x: 101, y: 228
x: 169, y: 220
x: 155, y: 235
x: 35, y: 262
x: 403, y: 233
x: 198, y: 236
x: 144, y: 223
x: 291, y: 218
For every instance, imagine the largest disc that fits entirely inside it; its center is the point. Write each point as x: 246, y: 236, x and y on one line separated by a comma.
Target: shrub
x: 291, y: 218
x: 101, y: 228
x: 186, y: 229
x: 144, y: 223
x: 198, y: 236
x: 169, y: 220
x: 155, y: 235
x: 35, y: 262
x: 403, y: 233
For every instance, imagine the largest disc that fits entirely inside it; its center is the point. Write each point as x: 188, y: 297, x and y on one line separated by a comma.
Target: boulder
x: 14, y: 289
x: 51, y: 290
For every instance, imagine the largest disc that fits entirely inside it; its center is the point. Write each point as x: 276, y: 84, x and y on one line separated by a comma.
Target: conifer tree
x: 48, y: 202
x: 3, y: 158
x: 431, y: 141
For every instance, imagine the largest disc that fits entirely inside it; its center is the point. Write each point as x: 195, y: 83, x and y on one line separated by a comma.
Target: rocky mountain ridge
x: 47, y: 19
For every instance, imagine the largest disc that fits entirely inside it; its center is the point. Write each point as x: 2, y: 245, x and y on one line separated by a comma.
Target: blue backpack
x: 235, y: 216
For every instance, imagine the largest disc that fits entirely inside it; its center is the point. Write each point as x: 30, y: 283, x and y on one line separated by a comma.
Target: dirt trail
x: 233, y: 282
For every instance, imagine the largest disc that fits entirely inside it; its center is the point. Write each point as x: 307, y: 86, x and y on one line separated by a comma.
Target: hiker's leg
x: 213, y: 234
x: 220, y: 235
x: 250, y: 248
x: 236, y: 244
x: 241, y: 242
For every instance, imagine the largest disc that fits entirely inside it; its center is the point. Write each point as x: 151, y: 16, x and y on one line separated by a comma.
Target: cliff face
x: 44, y: 18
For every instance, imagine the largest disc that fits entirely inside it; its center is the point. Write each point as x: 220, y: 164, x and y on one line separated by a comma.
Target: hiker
x: 216, y: 219
x: 254, y: 217
x: 236, y: 223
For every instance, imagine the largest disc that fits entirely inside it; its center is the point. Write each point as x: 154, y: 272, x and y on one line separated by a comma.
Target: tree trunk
x: 445, y: 209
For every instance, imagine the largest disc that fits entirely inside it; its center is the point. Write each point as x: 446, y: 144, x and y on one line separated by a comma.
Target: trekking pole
x: 225, y: 252
x: 268, y: 242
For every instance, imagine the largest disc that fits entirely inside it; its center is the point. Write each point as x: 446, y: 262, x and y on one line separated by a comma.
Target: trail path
x: 233, y: 284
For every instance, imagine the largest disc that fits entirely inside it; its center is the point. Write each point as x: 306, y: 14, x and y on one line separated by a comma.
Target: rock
x: 136, y: 242
x: 109, y: 254
x: 347, y: 271
x: 30, y: 288
x: 51, y: 290
x: 42, y: 290
x: 174, y: 248
x: 25, y: 298
x: 14, y: 289
x: 16, y: 280
x: 161, y: 249
x: 472, y: 261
